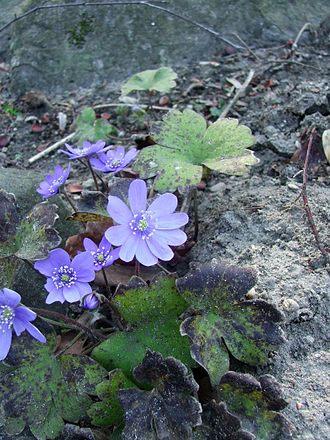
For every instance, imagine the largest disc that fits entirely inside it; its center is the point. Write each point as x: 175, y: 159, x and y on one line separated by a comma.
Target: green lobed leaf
x: 89, y: 128
x: 184, y: 145
x: 222, y: 321
x: 109, y: 411
x: 152, y: 313
x: 169, y: 410
x: 44, y: 390
x: 256, y: 403
x: 161, y: 80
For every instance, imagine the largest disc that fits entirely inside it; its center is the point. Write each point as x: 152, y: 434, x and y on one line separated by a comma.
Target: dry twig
x: 237, y: 94
x: 51, y: 148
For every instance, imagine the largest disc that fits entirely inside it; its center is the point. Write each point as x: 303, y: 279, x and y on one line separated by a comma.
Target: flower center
x: 113, y: 164
x: 64, y: 276
x: 7, y: 316
x: 101, y: 257
x: 143, y: 224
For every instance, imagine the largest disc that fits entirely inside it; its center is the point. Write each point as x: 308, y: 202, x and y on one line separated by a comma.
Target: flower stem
x: 106, y: 282
x: 93, y: 174
x: 137, y: 268
x: 68, y: 199
x: 71, y: 323
x: 195, y: 215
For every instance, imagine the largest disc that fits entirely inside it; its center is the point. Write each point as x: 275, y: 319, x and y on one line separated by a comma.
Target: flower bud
x: 90, y: 302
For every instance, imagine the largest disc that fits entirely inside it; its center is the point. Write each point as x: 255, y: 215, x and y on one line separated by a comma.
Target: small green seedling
x: 160, y: 80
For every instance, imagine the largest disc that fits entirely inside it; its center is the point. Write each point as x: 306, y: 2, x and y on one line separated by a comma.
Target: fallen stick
x: 237, y: 95
x: 50, y: 148
x: 139, y: 106
x: 308, y: 211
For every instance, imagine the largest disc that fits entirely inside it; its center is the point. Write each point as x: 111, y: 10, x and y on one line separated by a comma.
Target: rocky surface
x: 65, y: 48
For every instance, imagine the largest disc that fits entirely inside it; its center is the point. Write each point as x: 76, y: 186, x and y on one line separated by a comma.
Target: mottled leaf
x: 152, y: 314
x: 161, y: 80
x: 256, y: 404
x: 184, y: 145
x: 169, y: 410
x: 109, y: 411
x: 44, y: 390
x: 219, y: 424
x: 222, y: 321
x: 34, y: 236
x: 88, y: 128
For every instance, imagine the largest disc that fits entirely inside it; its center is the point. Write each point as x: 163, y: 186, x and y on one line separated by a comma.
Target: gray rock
x: 65, y: 48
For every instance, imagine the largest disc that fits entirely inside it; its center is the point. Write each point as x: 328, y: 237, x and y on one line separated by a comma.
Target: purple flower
x: 90, y: 302
x: 67, y: 280
x: 146, y: 233
x: 50, y: 186
x: 103, y: 255
x: 87, y: 149
x: 113, y: 160
x: 17, y: 317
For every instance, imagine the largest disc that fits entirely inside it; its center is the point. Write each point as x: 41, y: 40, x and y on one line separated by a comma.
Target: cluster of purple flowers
x: 142, y: 232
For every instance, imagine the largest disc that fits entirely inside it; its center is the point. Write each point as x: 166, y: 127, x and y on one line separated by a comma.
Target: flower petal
x: 83, y: 288
x: 19, y: 326
x: 117, y: 235
x: 104, y: 243
x: 137, y: 195
x: 119, y: 152
x: 58, y: 257
x: 129, y: 156
x: 71, y: 294
x: 144, y: 254
x: 45, y: 267
x: 118, y: 211
x: 55, y: 295
x: 83, y: 264
x: 172, y: 221
x: 49, y: 286
x: 173, y: 237
x: 9, y: 297
x: 160, y: 249
x: 89, y: 245
x: 35, y: 333
x: 25, y: 314
x: 5, y: 343
x: 164, y: 205
x: 128, y: 249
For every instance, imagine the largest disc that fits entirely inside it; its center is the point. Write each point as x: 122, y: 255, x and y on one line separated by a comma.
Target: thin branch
x: 123, y: 3
x: 51, y: 148
x: 237, y: 95
x: 308, y: 211
x: 302, y: 30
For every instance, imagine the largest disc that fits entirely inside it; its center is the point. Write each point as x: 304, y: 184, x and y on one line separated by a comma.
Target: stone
x: 65, y: 48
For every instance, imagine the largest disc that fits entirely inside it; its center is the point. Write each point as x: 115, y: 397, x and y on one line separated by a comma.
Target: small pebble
x: 293, y: 186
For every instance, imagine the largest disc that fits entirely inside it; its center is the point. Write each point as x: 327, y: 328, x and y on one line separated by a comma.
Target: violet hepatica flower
x: 50, y: 186
x: 103, y: 254
x: 90, y: 302
x: 15, y: 316
x: 86, y: 150
x: 67, y: 280
x: 113, y: 160
x: 146, y: 233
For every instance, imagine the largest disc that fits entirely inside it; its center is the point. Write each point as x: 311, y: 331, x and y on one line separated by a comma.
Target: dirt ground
x: 253, y: 220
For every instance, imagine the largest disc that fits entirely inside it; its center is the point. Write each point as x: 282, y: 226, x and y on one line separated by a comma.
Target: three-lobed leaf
x: 89, y: 128
x: 221, y: 321
x: 169, y: 410
x: 255, y: 403
x: 185, y: 145
x: 44, y: 391
x: 161, y: 80
x: 152, y: 314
